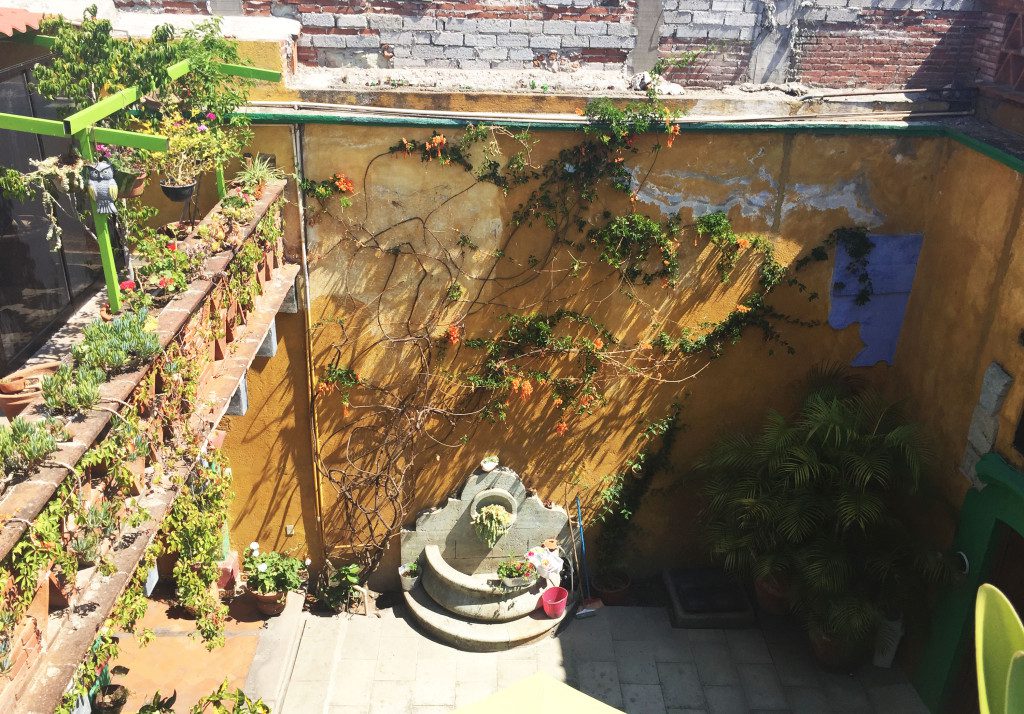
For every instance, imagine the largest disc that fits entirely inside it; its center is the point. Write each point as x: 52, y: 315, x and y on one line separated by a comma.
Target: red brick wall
x: 888, y: 48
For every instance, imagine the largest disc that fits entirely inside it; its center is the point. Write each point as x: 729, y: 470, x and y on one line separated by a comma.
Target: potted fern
x: 812, y: 508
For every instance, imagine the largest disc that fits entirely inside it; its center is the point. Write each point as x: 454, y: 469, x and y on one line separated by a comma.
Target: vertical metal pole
x: 222, y: 189
x: 84, y: 141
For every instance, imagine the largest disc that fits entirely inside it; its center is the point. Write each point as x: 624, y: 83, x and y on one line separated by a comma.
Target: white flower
x: 262, y: 567
x: 254, y: 546
x: 308, y: 561
x: 227, y: 472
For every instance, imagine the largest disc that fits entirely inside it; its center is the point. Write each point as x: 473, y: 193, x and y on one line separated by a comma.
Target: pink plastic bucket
x: 554, y: 600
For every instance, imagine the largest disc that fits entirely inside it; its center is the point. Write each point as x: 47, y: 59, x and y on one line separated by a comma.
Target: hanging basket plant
x: 491, y: 522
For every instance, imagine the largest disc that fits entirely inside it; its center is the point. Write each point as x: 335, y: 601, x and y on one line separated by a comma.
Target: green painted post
x: 222, y: 189
x: 84, y: 142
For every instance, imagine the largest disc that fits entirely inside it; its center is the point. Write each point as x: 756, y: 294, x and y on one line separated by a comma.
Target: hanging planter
x: 178, y: 194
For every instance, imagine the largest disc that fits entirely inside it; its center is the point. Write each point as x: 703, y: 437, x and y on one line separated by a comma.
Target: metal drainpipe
x: 314, y: 432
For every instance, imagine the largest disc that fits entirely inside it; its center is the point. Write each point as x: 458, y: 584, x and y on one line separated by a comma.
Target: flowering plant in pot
x: 517, y: 573
x: 489, y: 463
x: 269, y: 576
x: 409, y: 575
x: 192, y: 149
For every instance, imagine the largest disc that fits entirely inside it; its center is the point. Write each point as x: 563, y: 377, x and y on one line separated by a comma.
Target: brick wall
x: 836, y: 43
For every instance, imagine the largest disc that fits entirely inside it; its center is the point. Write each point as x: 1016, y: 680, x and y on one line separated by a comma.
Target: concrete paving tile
x: 361, y: 642
x: 434, y: 692
x: 397, y: 627
x: 896, y: 699
x: 748, y: 647
x: 477, y: 667
x: 636, y: 623
x: 601, y: 681
x: 391, y: 697
x: 638, y: 670
x: 715, y: 665
x: 672, y: 646
x: 806, y: 700
x: 510, y: 671
x: 642, y: 699
x: 680, y: 685
x: 397, y: 647
x: 793, y: 664
x: 467, y: 693
x: 304, y: 697
x: 844, y: 692
x: 431, y: 710
x: 871, y: 676
x: 761, y: 685
x: 396, y: 668
x: 704, y: 637
x: 348, y: 709
x: 726, y: 700
x: 677, y: 710
x: 353, y: 682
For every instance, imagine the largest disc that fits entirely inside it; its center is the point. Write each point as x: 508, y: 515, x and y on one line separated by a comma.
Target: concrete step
x: 475, y: 597
x: 474, y: 636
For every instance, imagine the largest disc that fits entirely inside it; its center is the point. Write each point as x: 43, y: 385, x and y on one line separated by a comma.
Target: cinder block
x: 474, y: 64
x: 492, y: 53
x: 559, y: 27
x: 384, y: 22
x: 465, y: 53
x: 460, y: 25
x: 474, y: 40
x: 268, y: 348
x: 994, y: 386
x: 419, y: 23
x: 239, y: 403
x: 610, y: 41
x: 591, y: 28
x: 532, y: 27
x: 350, y: 22
x: 511, y: 40
x: 427, y: 52
x: 492, y: 26
x: 575, y: 42
x: 447, y: 38
x: 317, y: 19
x: 545, y: 42
x: 520, y: 53
x: 330, y: 40
x: 370, y: 41
x: 621, y: 29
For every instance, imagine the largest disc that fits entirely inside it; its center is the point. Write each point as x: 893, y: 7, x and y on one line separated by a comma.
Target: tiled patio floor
x: 628, y: 657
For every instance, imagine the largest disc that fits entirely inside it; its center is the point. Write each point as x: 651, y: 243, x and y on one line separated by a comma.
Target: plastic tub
x: 554, y: 600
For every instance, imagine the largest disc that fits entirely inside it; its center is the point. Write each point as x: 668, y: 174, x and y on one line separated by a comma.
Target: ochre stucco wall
x: 794, y: 188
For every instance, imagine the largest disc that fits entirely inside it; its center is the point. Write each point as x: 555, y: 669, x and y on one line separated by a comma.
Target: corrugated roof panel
x: 14, y: 20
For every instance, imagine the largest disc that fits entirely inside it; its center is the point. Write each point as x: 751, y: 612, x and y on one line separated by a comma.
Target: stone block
x: 474, y: 64
x: 994, y: 386
x: 609, y: 41
x: 621, y: 29
x: 368, y: 41
x: 545, y: 42
x: 493, y: 26
x: 427, y: 52
x: 420, y: 23
x: 460, y: 25
x: 982, y: 432
x: 520, y: 53
x: 574, y: 41
x: 843, y: 15
x: 460, y: 52
x: 492, y: 53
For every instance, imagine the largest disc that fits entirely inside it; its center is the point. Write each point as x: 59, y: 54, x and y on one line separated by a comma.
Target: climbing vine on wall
x: 466, y: 352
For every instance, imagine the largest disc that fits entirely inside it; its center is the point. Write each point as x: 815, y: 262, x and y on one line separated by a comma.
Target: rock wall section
x: 828, y: 43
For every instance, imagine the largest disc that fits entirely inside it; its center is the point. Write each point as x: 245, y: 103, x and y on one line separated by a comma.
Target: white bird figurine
x: 102, y: 187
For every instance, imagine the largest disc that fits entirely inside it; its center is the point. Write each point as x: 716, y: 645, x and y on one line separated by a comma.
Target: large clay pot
x: 836, y: 655
x: 612, y: 586
x: 269, y: 604
x: 772, y: 596
x: 20, y: 388
x: 130, y: 185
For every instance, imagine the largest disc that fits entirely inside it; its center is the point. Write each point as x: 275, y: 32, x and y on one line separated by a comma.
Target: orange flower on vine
x: 454, y: 334
x: 742, y: 308
x: 598, y: 344
x: 525, y: 389
x: 558, y: 401
x: 673, y: 132
x: 743, y: 243
x: 325, y: 388
x: 561, y: 428
x: 436, y: 144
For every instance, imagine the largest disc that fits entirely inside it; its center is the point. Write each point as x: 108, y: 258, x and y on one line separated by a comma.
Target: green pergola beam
x: 32, y: 125
x: 101, y: 110
x: 178, y: 69
x: 116, y: 137
x: 47, y: 41
x: 238, y: 70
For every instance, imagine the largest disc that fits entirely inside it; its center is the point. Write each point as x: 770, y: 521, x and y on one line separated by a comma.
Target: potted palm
x: 814, y: 507
x: 269, y: 576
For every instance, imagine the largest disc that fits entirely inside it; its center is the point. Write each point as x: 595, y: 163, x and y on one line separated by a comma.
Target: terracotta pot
x: 105, y: 314
x: 29, y: 382
x: 772, y: 596
x: 269, y: 604
x: 836, y: 655
x: 612, y: 586
x: 130, y: 185
x: 61, y: 590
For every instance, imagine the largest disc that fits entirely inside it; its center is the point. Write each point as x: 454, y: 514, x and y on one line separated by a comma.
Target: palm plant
x: 815, y: 502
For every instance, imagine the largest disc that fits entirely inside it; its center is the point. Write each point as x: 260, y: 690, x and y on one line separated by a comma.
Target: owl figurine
x: 102, y: 187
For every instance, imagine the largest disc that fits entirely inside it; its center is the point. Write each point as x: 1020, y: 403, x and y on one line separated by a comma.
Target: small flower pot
x: 130, y: 185
x: 20, y: 388
x: 178, y: 194
x: 519, y: 583
x: 489, y: 464
x: 408, y: 581
x: 269, y: 604
x: 110, y: 699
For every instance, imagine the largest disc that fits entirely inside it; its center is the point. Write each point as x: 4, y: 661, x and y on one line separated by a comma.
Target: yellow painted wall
x: 794, y: 188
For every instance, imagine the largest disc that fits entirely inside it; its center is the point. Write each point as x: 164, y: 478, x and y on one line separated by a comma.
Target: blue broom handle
x: 583, y: 548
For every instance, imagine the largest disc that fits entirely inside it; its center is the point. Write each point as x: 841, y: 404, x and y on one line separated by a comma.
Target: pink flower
x: 211, y: 116
x: 127, y: 285
x: 164, y: 282
x: 172, y: 246
x: 201, y: 128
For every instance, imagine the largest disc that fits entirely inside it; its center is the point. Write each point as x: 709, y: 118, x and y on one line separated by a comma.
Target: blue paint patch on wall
x: 891, y: 265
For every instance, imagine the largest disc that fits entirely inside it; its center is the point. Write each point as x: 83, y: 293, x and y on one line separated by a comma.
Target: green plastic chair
x: 999, y: 653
